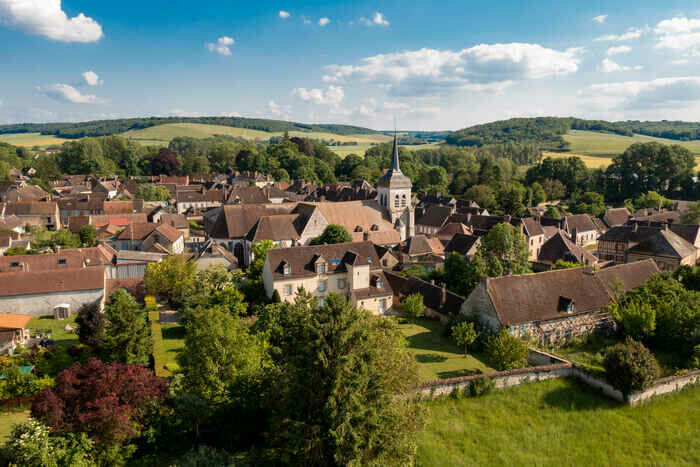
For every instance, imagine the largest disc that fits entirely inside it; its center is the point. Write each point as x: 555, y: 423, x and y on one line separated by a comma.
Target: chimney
x: 635, y: 226
x: 443, y: 295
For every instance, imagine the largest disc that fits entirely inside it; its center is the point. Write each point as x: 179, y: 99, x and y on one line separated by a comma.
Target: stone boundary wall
x: 557, y: 368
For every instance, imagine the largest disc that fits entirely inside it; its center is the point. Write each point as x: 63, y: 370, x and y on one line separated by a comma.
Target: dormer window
x: 286, y: 269
x: 14, y: 264
x: 566, y: 304
x: 62, y: 261
x: 379, y: 283
x: 321, y: 268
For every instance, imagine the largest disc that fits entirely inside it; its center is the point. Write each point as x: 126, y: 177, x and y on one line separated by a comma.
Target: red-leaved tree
x: 106, y: 401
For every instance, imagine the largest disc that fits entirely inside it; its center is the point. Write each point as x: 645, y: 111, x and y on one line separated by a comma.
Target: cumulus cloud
x: 377, y: 20
x: 91, y: 78
x: 600, y: 19
x: 657, y: 93
x: 609, y: 66
x: 284, y: 14
x: 67, y: 93
x: 323, y: 21
x: 485, y: 67
x: 221, y: 46
x: 618, y: 49
x: 46, y: 18
x: 278, y: 109
x: 632, y: 33
x: 334, y: 95
x: 680, y: 34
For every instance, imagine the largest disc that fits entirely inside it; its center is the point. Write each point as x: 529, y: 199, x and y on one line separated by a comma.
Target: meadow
x: 560, y: 422
x: 437, y: 356
x: 31, y: 139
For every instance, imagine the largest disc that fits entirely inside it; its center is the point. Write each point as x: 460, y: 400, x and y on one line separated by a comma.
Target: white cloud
x: 278, y: 109
x: 680, y: 34
x: 323, y: 21
x: 657, y: 93
x: 600, y: 19
x: 682, y: 61
x: 91, y: 78
x: 284, y: 14
x: 67, y: 93
x: 632, y: 33
x: 334, y: 95
x: 377, y: 20
x: 609, y: 66
x: 617, y: 50
x: 230, y: 114
x: 485, y: 67
x: 305, y: 20
x: 46, y: 18
x: 221, y: 46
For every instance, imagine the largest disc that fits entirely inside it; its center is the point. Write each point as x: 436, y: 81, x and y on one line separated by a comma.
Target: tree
x: 219, y: 350
x: 342, y: 398
x: 554, y: 189
x: 127, y: 338
x: 511, y: 198
x: 503, y: 251
x: 259, y: 255
x: 561, y: 264
x: 506, y: 352
x: 150, y: 192
x: 412, y: 306
x: 552, y: 212
x: 88, y: 234
x: 538, y: 194
x: 651, y: 199
x: 91, y: 325
x: 630, y: 366
x: 333, y: 233
x: 173, y: 277
x: 108, y: 402
x: 588, y: 202
x: 636, y: 317
x: 483, y: 195
x: 464, y: 334
x: 692, y: 215
x: 166, y: 163
x: 31, y: 444
x: 216, y: 287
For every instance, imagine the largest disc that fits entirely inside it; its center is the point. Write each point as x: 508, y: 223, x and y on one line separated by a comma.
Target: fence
x: 550, y: 366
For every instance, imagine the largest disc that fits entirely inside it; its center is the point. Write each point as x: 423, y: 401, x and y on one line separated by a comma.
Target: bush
x: 481, y: 386
x: 636, y: 317
x: 412, y: 306
x: 630, y: 366
x: 506, y: 352
x: 464, y: 334
x: 695, y: 358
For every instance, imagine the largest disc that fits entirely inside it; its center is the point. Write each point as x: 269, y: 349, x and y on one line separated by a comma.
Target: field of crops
x: 31, y: 139
x: 591, y: 143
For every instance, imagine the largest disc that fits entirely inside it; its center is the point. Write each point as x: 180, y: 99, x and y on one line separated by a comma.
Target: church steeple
x: 395, y: 157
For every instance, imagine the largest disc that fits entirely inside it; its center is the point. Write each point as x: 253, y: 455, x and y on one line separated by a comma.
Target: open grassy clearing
x: 592, y: 162
x: 61, y: 337
x: 593, y: 143
x: 438, y: 357
x: 31, y: 139
x: 561, y: 423
x: 162, y: 134
x: 173, y: 343
x: 9, y: 418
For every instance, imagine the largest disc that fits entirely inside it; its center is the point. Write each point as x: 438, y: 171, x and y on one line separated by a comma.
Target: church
x: 394, y: 195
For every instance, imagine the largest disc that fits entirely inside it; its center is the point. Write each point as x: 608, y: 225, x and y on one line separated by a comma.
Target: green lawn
x: 58, y: 334
x: 561, y: 423
x: 603, y: 144
x: 438, y: 357
x: 31, y: 139
x: 8, y: 418
x: 173, y: 342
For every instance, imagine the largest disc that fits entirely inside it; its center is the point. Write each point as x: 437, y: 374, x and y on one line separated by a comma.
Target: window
x: 322, y: 268
x: 341, y: 284
x: 382, y: 305
x: 403, y: 201
x: 380, y: 283
x: 322, y: 286
x: 287, y: 289
x: 287, y: 269
x: 14, y: 264
x: 396, y: 201
x: 319, y: 301
x: 62, y: 261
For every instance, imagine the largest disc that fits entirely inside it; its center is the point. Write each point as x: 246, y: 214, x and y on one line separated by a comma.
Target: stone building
x: 554, y: 306
x: 394, y: 194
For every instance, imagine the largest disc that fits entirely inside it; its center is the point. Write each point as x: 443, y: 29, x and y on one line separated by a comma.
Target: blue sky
x: 432, y: 65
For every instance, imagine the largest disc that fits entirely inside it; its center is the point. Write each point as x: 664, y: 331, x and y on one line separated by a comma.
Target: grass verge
x: 46, y: 324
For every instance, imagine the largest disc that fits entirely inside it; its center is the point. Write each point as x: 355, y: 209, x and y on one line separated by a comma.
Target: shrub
x: 630, y: 366
x: 412, y: 306
x: 481, y: 386
x: 695, y: 358
x: 464, y: 334
x: 506, y: 352
x: 637, y: 318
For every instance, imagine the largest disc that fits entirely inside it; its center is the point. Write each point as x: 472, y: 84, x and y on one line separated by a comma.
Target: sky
x: 428, y: 65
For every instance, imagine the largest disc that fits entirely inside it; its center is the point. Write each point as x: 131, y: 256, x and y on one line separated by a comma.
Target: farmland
x: 31, y: 139
x: 560, y: 422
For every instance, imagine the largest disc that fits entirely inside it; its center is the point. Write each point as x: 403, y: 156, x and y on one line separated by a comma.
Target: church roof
x: 394, y: 178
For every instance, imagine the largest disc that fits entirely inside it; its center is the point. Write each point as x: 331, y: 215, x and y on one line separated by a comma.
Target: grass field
x: 60, y: 336
x: 561, y: 423
x: 173, y: 342
x: 438, y: 357
x: 10, y: 418
x: 593, y: 143
x: 162, y: 134
x: 31, y: 139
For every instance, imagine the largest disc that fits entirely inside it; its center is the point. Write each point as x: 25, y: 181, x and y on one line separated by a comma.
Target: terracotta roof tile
x: 52, y: 281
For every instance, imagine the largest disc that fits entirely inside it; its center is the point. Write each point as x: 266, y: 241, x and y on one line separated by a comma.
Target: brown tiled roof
x: 616, y: 216
x: 10, y: 222
x: 301, y: 259
x: 235, y: 221
x: 664, y: 243
x: 275, y: 228
x: 351, y: 214
x: 254, y: 194
x: 462, y: 244
x: 190, y: 197
x: 137, y: 231
x: 93, y: 203
x: 536, y: 297
x: 30, y: 208
x: 532, y: 227
x: 580, y: 222
x: 134, y: 285
x: 379, y: 237
x: 12, y: 321
x: 65, y: 259
x: 31, y: 192
x: 560, y: 247
x: 51, y: 281
x: 432, y: 294
x: 75, y: 223
x: 118, y: 207
x: 435, y: 216
x: 179, y: 221
x: 169, y: 232
x: 422, y: 245
x: 449, y: 230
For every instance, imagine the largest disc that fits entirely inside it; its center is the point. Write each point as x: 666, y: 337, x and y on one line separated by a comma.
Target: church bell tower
x: 394, y: 193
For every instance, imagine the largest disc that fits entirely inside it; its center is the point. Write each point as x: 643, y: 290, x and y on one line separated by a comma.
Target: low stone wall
x: 665, y: 386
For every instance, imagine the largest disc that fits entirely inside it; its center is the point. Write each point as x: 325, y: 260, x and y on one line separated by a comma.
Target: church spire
x: 395, y: 157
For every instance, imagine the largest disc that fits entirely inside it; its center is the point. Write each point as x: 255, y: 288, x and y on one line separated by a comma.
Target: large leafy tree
x: 333, y: 233
x: 127, y: 338
x: 150, y: 192
x: 345, y: 377
x: 503, y: 251
x: 173, y: 277
x: 166, y: 163
x: 108, y: 402
x: 692, y: 215
x: 91, y: 325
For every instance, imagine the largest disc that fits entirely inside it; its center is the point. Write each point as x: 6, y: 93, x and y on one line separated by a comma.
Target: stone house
x: 615, y: 217
x: 614, y: 244
x: 559, y: 247
x: 464, y: 245
x: 38, y: 293
x: 581, y: 229
x: 352, y: 269
x: 433, y: 219
x: 36, y: 213
x: 667, y: 249
x: 162, y: 238
x: 534, y: 233
x: 554, y: 306
x: 435, y: 297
